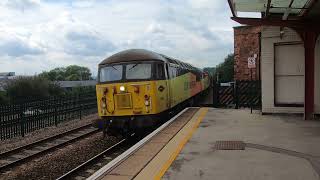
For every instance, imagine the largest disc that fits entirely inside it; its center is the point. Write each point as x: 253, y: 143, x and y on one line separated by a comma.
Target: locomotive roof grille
x: 133, y: 55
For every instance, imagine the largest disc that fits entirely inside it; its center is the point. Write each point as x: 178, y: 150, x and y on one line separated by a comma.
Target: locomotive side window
x: 138, y: 71
x: 159, y: 71
x: 110, y: 73
x: 172, y: 71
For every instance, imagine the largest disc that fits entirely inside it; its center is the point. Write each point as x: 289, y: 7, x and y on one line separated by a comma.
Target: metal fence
x: 23, y: 118
x: 238, y: 94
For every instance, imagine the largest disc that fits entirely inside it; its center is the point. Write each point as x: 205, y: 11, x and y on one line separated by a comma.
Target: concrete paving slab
x: 117, y: 177
x: 200, y: 160
x: 132, y: 165
x: 150, y: 148
x: 250, y: 164
x: 163, y: 137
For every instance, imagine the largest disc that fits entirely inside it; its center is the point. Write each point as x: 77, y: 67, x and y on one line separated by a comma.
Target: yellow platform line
x: 174, y: 155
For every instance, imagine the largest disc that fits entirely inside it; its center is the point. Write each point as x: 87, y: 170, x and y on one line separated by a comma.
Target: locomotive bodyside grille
x: 123, y: 101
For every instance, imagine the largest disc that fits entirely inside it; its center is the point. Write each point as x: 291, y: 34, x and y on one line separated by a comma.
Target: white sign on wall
x: 252, y: 62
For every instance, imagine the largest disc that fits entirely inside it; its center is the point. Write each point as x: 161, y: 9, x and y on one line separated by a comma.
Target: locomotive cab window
x: 138, y: 71
x: 110, y: 73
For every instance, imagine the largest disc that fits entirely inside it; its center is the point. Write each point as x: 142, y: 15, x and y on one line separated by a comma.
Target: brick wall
x: 246, y: 44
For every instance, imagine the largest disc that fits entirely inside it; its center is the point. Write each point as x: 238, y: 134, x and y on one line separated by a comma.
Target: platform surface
x: 262, y: 159
x: 276, y: 147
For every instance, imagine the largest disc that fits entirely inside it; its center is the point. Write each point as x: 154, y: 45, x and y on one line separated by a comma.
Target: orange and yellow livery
x: 137, y: 88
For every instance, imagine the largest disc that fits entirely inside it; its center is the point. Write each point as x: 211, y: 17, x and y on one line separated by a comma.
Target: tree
x: 3, y: 98
x: 69, y: 73
x: 34, y: 87
x: 210, y: 70
x: 225, y: 71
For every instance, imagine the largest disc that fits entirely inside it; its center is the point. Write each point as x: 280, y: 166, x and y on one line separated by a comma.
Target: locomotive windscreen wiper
x: 133, y: 66
x: 114, y: 68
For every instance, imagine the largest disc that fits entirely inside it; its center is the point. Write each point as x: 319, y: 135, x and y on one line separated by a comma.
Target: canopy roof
x: 284, y: 9
x: 299, y: 14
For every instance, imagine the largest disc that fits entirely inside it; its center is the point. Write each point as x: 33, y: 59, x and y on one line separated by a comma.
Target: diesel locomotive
x: 138, y: 88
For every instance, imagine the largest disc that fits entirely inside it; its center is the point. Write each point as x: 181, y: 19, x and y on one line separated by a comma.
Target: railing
x: 23, y: 118
x: 238, y: 94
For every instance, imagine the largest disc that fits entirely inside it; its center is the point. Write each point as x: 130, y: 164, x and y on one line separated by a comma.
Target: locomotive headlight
x: 122, y: 88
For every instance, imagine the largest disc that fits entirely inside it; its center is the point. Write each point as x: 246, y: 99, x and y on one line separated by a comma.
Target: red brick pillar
x: 309, y: 38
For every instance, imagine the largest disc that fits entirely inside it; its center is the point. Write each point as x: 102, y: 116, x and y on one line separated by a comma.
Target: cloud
x: 154, y: 28
x: 69, y: 35
x: 87, y: 44
x: 16, y: 45
x: 20, y: 4
x: 51, y: 33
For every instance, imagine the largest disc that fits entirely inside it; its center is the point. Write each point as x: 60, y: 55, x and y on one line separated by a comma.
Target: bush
x: 76, y: 91
x: 69, y: 73
x: 3, y: 98
x: 32, y: 88
x: 225, y: 70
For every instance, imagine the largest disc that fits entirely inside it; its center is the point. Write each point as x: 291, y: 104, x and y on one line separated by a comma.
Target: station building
x: 287, y: 43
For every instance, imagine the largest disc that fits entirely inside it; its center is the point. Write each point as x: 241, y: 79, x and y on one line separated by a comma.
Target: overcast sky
x: 38, y: 35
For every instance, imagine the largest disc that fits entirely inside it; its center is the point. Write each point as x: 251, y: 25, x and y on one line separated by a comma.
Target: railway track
x: 92, y: 165
x: 115, y: 162
x: 25, y: 153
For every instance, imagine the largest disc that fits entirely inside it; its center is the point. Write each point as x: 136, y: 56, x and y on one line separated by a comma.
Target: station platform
x: 225, y: 144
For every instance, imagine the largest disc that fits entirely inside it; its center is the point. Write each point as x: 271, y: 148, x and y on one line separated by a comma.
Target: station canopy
x: 284, y: 9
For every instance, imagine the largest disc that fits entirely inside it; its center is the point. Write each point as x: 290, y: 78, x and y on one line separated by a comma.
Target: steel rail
x: 41, y: 143
x: 91, y: 161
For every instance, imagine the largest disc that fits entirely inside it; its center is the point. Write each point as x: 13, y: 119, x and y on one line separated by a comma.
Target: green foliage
x: 31, y: 88
x: 3, y: 98
x: 69, y: 73
x: 210, y: 70
x: 76, y: 91
x: 225, y: 71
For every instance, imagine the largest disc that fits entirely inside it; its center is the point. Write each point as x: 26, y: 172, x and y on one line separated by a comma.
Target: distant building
x: 71, y: 84
x: 2, y: 84
x: 6, y: 75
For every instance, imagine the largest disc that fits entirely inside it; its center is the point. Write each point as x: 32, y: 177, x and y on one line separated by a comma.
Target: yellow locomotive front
x: 131, y: 92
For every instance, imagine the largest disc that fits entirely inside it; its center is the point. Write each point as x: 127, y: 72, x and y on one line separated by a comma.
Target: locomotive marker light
x: 146, y: 102
x: 103, y: 105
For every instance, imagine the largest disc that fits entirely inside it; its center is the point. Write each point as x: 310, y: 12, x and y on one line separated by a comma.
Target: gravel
x: 9, y: 144
x: 55, y: 164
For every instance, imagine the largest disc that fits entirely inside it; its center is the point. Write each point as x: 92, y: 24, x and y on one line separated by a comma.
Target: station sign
x: 252, y: 62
